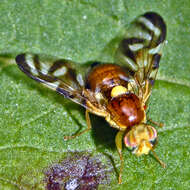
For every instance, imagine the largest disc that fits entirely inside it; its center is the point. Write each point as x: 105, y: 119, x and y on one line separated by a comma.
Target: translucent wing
x: 140, y: 50
x: 57, y: 75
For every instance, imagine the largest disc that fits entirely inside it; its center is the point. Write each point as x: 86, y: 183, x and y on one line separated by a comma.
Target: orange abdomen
x: 102, y: 78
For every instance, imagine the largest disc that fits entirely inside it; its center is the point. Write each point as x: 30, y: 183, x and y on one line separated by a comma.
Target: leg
x: 155, y: 123
x: 145, y: 98
x: 118, y: 142
x: 86, y: 130
x: 146, y: 93
x: 158, y: 159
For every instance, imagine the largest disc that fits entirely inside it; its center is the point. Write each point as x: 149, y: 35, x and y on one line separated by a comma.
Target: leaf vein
x: 180, y: 82
x: 11, y: 182
x: 173, y: 128
x: 38, y: 116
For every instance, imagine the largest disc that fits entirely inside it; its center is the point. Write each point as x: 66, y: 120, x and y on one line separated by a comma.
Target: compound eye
x: 130, y: 142
x: 152, y: 135
x: 153, y: 142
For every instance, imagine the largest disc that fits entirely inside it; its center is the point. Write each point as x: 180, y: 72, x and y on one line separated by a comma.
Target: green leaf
x: 34, y: 120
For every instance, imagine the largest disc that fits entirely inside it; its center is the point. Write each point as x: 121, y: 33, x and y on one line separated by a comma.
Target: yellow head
x: 141, y: 139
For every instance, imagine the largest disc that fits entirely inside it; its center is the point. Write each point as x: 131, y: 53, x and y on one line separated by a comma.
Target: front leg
x: 155, y: 123
x: 118, y: 142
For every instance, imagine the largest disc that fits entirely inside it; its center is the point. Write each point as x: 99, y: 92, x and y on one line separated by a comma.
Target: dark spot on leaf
x: 77, y: 172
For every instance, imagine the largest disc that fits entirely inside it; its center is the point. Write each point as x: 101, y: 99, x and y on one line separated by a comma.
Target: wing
x: 57, y: 75
x: 140, y: 50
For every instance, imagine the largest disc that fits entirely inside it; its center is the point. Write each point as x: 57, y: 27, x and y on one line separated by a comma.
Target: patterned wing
x: 57, y: 75
x: 140, y: 50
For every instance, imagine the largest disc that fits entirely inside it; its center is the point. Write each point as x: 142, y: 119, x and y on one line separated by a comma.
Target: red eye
x: 145, y: 106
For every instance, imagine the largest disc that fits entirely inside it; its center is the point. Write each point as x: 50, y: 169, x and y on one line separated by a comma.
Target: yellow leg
x: 158, y: 159
x: 86, y: 130
x: 118, y: 142
x: 156, y: 123
x: 146, y: 94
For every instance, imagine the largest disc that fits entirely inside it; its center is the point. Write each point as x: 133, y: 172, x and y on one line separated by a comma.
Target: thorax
x: 125, y: 109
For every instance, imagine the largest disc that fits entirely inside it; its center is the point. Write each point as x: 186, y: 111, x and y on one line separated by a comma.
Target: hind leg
x: 82, y: 132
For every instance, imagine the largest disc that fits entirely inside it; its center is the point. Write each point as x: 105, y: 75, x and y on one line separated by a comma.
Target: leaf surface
x: 34, y: 120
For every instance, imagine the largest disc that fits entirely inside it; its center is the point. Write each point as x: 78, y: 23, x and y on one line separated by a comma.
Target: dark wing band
x: 57, y: 75
x: 140, y: 50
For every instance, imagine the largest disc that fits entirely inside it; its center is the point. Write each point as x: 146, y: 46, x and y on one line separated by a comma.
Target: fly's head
x: 141, y: 139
